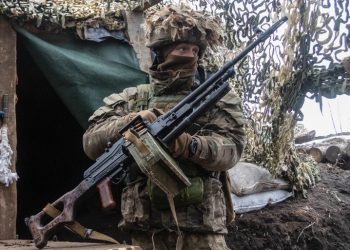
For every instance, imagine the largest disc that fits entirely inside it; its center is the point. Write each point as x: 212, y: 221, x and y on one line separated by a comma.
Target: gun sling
x: 77, y: 228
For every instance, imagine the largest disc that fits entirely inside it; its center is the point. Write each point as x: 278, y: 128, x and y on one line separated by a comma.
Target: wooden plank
x: 8, y: 80
x: 136, y: 35
x: 62, y: 245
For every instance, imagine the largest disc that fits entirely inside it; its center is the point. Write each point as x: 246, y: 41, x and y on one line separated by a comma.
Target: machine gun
x: 145, y: 146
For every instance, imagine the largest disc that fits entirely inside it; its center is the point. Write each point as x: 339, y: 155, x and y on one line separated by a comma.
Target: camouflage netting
x: 77, y: 14
x: 274, y: 80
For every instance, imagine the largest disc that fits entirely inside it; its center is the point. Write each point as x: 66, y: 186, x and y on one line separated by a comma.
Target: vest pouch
x: 155, y: 162
x: 191, y: 195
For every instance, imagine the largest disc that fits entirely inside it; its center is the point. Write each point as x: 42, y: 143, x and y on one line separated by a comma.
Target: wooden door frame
x: 8, y: 81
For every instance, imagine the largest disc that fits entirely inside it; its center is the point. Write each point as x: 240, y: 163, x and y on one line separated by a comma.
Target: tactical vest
x: 144, y: 99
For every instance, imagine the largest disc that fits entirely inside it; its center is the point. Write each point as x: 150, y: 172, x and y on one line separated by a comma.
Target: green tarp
x: 83, y: 72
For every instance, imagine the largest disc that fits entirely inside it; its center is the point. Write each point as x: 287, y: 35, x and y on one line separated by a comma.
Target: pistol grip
x: 106, y: 196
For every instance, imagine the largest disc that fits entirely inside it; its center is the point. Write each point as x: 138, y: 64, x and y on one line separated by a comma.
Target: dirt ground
x: 322, y: 221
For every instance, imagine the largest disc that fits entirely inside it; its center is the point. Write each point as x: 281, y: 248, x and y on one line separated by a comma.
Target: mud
x: 321, y: 221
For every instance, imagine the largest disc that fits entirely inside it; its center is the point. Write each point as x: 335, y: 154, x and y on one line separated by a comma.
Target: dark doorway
x: 50, y: 157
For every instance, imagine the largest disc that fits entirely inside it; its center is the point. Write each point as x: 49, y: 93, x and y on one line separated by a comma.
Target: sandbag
x: 248, y: 178
x: 258, y: 201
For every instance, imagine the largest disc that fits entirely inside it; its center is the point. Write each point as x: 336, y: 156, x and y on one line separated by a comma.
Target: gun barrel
x: 226, y: 68
x: 262, y: 37
x: 217, y: 94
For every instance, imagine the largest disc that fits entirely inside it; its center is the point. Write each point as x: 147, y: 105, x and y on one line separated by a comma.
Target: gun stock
x: 109, y: 165
x: 40, y: 233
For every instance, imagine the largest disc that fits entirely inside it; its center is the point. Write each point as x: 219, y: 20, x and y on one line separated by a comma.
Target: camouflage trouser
x: 167, y: 241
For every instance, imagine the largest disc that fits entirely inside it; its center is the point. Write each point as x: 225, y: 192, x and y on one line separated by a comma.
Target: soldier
x: 178, y: 37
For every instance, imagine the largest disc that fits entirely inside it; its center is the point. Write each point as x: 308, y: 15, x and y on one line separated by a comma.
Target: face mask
x: 175, y: 74
x: 175, y: 63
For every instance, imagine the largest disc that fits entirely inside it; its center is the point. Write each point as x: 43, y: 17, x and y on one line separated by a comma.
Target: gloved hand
x: 147, y: 115
x: 181, y: 146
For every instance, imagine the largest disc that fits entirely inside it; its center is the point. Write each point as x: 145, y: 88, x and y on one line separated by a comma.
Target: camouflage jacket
x: 221, y: 142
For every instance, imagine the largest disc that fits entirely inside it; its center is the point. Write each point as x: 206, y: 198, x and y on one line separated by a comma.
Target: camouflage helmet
x: 180, y: 23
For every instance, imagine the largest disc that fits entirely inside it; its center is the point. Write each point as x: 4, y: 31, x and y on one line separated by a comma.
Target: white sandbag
x: 248, y: 178
x: 258, y: 201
